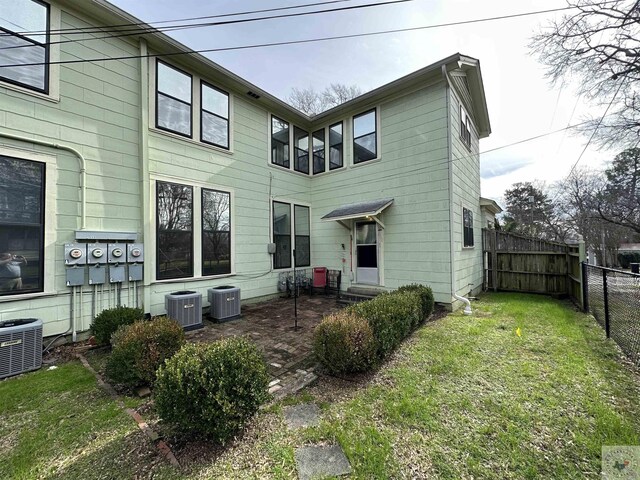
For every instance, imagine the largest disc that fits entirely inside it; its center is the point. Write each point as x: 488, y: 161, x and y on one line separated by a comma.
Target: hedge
x: 108, y: 321
x: 211, y: 390
x: 140, y: 348
x: 426, y: 298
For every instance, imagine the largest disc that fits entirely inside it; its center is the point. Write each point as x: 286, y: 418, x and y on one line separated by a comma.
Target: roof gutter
x: 81, y: 161
x: 467, y: 308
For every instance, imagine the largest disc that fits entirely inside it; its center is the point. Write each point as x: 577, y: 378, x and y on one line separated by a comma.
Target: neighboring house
x: 489, y: 209
x: 204, y: 170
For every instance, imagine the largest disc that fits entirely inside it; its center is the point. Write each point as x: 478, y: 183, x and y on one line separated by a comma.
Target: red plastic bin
x: 319, y: 277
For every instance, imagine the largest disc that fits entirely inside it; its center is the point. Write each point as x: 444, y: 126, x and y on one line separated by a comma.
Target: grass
x: 465, y: 397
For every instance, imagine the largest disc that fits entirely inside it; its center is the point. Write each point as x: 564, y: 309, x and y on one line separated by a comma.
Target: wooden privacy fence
x: 516, y: 263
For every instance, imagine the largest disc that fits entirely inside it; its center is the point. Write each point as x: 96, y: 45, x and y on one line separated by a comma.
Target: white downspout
x: 81, y: 160
x: 467, y: 308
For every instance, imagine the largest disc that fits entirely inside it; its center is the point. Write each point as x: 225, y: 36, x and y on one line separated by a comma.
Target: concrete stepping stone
x: 303, y: 415
x: 321, y: 462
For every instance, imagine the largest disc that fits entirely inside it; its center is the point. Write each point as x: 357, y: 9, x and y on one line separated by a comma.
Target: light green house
x: 207, y: 174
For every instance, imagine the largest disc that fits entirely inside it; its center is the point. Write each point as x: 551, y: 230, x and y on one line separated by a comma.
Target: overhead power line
x: 171, y: 28
x: 103, y: 28
x: 294, y: 42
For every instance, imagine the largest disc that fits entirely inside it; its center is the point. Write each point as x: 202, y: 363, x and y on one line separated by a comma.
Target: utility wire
x: 138, y: 31
x: 364, y: 178
x: 145, y: 25
x: 294, y: 42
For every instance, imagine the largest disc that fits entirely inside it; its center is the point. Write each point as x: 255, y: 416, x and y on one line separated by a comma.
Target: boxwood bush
x: 211, y: 390
x: 426, y: 298
x: 344, y: 343
x: 391, y: 317
x: 140, y: 348
x: 108, y: 321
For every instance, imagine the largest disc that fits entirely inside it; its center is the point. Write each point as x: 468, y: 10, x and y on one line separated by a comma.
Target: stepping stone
x: 303, y: 415
x: 321, y: 462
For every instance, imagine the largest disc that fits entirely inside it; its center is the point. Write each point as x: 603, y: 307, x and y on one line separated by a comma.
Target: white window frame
x: 197, y: 228
x: 292, y: 233
x: 351, y: 138
x: 465, y: 120
x: 473, y: 229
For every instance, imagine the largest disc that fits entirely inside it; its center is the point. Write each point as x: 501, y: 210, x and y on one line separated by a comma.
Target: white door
x: 367, y: 253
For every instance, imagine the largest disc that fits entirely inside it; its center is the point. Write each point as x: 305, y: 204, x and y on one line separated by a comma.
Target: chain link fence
x: 613, y: 298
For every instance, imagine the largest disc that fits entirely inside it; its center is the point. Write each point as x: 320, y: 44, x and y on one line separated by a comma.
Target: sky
x: 521, y: 101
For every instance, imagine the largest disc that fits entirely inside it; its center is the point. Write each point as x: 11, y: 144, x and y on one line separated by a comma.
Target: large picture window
x: 319, y: 165
x: 364, y: 137
x: 467, y: 219
x: 301, y: 144
x: 216, y: 232
x: 173, y: 99
x: 21, y: 226
x: 214, y: 120
x: 282, y: 234
x: 335, y: 146
x: 303, y: 236
x: 32, y: 47
x: 174, y: 231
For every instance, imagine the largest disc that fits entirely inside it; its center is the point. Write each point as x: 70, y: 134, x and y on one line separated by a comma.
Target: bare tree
x: 312, y: 102
x: 599, y: 43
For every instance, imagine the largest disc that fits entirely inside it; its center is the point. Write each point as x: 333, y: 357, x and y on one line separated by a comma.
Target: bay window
x: 301, y: 149
x: 335, y: 146
x: 318, y: 152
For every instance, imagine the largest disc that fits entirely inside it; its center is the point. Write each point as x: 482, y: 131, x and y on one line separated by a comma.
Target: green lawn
x: 465, y: 397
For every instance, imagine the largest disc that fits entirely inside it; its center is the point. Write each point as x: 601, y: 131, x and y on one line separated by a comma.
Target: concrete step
x: 365, y: 290
x: 348, y: 298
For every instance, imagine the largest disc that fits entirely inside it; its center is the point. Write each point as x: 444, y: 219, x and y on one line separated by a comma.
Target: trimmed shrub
x: 426, y: 298
x: 344, y: 343
x: 108, y: 321
x: 211, y: 390
x: 140, y: 348
x: 390, y: 316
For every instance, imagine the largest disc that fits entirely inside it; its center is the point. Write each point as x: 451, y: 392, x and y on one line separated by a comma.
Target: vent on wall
x: 186, y: 308
x: 20, y: 346
x: 253, y: 95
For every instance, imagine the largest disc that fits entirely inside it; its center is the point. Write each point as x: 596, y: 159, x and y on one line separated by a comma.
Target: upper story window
x: 335, y: 146
x: 318, y: 152
x: 21, y: 226
x: 173, y: 99
x: 279, y: 142
x: 31, y: 47
x: 364, y: 137
x: 301, y: 147
x: 467, y: 221
x: 214, y: 120
x: 465, y: 127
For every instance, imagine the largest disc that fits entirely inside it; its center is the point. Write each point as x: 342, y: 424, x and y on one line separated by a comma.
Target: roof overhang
x: 353, y: 211
x: 490, y: 205
x: 471, y: 66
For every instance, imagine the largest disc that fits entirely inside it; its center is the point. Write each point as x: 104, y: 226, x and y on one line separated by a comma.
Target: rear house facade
x: 149, y: 170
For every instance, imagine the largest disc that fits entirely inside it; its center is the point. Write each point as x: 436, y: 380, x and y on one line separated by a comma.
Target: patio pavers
x: 288, y: 352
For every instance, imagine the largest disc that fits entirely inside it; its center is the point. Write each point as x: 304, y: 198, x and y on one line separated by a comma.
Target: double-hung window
x: 467, y: 220
x: 216, y: 232
x: 282, y: 234
x: 21, y: 226
x: 335, y: 146
x: 27, y: 53
x: 301, y: 148
x: 365, y: 143
x: 318, y: 152
x: 465, y: 127
x: 214, y: 116
x: 174, y: 239
x: 303, y: 236
x: 279, y: 142
x: 173, y: 99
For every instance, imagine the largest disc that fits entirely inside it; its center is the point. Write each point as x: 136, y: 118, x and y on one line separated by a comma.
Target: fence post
x: 494, y: 261
x: 605, y: 294
x: 585, y: 287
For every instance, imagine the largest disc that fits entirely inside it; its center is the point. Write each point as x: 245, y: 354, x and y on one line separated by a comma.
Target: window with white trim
x: 214, y: 116
x: 467, y: 225
x: 365, y: 142
x: 279, y: 142
x: 336, y: 159
x: 302, y: 234
x: 301, y: 150
x: 216, y: 232
x: 286, y: 216
x: 173, y: 99
x: 465, y: 127
x: 28, y: 52
x: 22, y: 199
x: 319, y: 165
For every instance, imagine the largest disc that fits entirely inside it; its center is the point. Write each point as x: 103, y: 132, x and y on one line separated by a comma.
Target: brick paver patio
x: 269, y: 324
